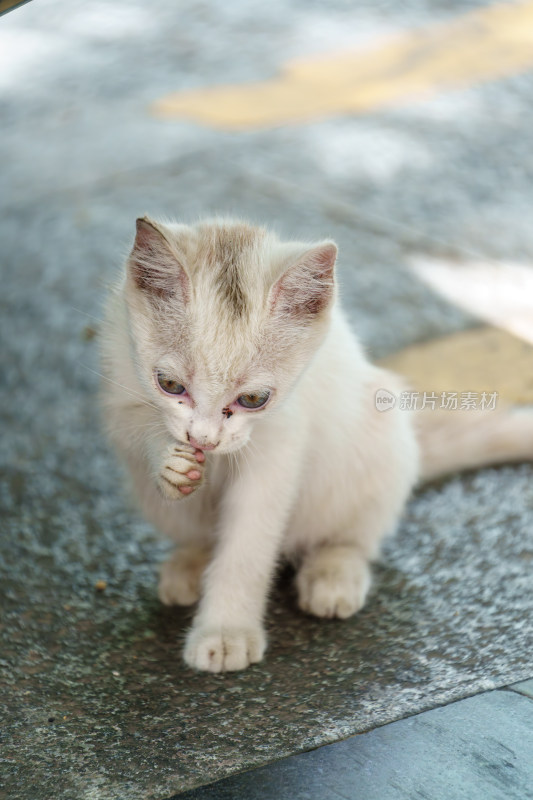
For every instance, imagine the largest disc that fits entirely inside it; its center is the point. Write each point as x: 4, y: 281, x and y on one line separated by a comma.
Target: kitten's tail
x: 451, y: 441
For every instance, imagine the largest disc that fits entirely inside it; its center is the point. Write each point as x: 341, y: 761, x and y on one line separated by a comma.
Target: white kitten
x: 245, y: 410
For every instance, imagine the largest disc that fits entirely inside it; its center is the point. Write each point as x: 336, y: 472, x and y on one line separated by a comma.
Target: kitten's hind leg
x: 333, y: 581
x: 181, y: 576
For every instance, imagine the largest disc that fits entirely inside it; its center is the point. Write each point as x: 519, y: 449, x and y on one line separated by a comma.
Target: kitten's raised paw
x: 181, y: 576
x: 224, y: 649
x: 333, y: 582
x: 181, y: 473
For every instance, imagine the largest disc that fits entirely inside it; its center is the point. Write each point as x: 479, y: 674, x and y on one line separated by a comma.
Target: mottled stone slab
x: 475, y: 749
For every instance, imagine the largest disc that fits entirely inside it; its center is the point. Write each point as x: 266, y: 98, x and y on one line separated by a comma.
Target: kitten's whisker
x: 86, y: 314
x: 245, y: 457
x: 238, y: 466
x: 129, y: 391
x: 140, y: 429
x: 253, y: 447
x: 232, y: 465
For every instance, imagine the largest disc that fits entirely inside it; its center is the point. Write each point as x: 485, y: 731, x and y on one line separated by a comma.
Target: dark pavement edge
x: 475, y: 748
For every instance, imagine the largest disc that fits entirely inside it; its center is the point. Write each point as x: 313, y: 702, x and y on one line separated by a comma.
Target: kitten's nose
x: 199, y: 445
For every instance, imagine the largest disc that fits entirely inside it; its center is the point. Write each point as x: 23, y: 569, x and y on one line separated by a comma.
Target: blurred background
x: 410, y: 122
x: 402, y: 130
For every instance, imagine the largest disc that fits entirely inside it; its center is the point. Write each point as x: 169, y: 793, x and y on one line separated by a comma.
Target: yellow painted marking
x: 482, y: 45
x: 477, y: 360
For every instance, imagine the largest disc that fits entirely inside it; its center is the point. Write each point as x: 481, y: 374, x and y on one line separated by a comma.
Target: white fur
x: 318, y: 477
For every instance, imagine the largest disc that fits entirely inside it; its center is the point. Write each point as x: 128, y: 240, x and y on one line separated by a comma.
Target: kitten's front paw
x: 333, y: 582
x: 324, y: 598
x: 181, y: 472
x: 181, y: 576
x: 224, y: 649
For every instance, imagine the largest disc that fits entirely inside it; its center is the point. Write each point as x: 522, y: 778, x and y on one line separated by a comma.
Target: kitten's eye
x: 169, y: 385
x: 254, y: 399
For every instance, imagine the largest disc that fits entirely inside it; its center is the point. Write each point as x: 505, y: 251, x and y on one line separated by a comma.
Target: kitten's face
x: 211, y: 409
x: 224, y: 319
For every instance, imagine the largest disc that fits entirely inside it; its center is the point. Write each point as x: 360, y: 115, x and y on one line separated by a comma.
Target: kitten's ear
x: 307, y: 286
x: 153, y: 265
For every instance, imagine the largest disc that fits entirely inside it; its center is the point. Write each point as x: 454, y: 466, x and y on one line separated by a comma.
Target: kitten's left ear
x: 307, y: 286
x: 153, y: 264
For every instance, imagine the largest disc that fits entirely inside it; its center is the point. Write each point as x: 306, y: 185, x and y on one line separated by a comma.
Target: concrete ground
x: 96, y: 701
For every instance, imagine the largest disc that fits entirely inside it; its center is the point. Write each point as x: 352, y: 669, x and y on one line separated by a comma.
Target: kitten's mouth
x: 198, y: 446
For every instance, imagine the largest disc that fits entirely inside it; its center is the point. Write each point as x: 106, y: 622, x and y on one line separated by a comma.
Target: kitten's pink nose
x: 199, y: 446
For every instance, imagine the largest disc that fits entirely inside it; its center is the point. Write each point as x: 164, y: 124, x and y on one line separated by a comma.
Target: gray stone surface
x: 471, y: 750
x: 96, y: 702
x: 524, y: 687
x: 77, y: 81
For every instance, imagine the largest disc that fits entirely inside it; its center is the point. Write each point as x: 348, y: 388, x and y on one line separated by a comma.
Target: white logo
x: 385, y: 400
